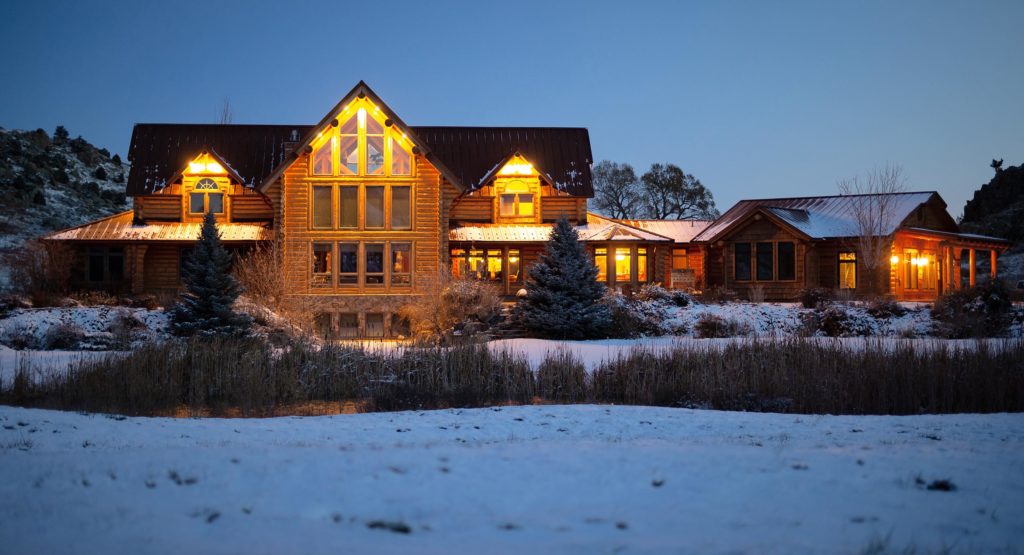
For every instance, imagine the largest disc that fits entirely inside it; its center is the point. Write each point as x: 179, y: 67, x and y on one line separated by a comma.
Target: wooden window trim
x: 775, y: 262
x: 361, y: 206
x: 839, y: 268
x: 391, y: 135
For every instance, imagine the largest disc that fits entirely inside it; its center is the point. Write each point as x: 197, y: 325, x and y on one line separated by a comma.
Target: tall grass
x: 250, y: 378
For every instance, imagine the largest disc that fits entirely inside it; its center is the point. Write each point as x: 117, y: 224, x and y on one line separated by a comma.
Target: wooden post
x: 992, y: 255
x: 138, y: 258
x: 970, y: 274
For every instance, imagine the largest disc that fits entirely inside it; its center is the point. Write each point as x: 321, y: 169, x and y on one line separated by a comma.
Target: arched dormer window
x: 517, y: 188
x: 362, y: 144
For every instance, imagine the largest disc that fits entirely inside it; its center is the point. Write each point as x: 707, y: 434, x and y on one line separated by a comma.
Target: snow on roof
x: 680, y: 231
x: 119, y: 227
x: 819, y: 217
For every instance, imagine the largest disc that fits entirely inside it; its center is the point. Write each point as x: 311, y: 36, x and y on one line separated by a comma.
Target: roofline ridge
x: 838, y: 196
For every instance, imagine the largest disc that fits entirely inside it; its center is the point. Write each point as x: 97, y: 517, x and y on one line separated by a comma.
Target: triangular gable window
x: 361, y: 145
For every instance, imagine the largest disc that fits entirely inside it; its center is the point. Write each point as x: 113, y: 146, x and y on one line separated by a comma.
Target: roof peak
x: 838, y: 196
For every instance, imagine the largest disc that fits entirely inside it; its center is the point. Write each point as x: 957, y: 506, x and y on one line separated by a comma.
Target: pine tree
x: 563, y: 296
x: 210, y: 290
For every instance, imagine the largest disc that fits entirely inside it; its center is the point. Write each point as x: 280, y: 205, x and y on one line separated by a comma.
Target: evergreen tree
x: 563, y: 296
x: 210, y: 290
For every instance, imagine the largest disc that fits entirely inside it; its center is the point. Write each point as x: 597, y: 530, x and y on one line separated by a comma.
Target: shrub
x: 813, y: 297
x: 95, y: 298
x: 63, y: 337
x: 448, y: 302
x: 42, y: 271
x: 657, y: 293
x: 885, y: 307
x: 980, y: 311
x: 20, y: 338
x: 837, y: 321
x: 100, y: 173
x: 259, y: 272
x: 713, y: 326
x: 125, y: 327
x: 631, y: 317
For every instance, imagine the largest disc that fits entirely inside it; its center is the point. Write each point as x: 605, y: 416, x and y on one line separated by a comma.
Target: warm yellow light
x: 196, y: 167
x: 620, y: 257
x: 513, y: 259
x: 205, y: 167
x: 895, y: 259
x: 517, y: 168
x: 214, y: 167
x: 362, y: 118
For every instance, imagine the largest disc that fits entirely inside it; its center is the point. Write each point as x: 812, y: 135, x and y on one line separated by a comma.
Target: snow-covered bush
x: 980, y: 311
x: 839, y: 321
x: 449, y: 303
x: 65, y: 337
x: 712, y: 326
x: 631, y: 317
x: 885, y: 307
x: 655, y: 292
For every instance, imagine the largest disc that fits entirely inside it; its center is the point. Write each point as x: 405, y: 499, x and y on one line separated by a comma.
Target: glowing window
x: 401, y: 159
x: 514, y: 274
x: 374, y: 146
x: 641, y: 264
x: 348, y: 147
x: 680, y: 260
x: 623, y: 264
x: 401, y: 263
x: 601, y: 261
x: 847, y: 265
x: 459, y: 268
x: 323, y: 159
x: 321, y: 265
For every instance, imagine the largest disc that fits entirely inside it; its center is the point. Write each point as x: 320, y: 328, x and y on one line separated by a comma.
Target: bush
x: 980, y: 311
x: 885, y: 307
x: 95, y: 298
x: 837, y: 321
x: 42, y: 271
x: 259, y: 273
x: 631, y: 317
x: 813, y: 297
x: 64, y: 337
x: 449, y: 302
x: 713, y: 326
x: 657, y: 293
x: 126, y: 327
x: 19, y: 338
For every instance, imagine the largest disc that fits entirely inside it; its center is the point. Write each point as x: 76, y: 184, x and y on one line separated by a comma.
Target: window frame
x: 107, y: 254
x: 840, y: 262
x: 361, y: 187
x: 392, y: 138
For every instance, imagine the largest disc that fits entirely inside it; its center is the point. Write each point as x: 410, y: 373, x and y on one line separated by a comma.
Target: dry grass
x: 42, y: 271
x: 246, y: 377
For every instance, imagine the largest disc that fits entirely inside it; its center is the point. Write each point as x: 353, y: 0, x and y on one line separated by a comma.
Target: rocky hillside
x: 50, y: 182
x: 998, y: 206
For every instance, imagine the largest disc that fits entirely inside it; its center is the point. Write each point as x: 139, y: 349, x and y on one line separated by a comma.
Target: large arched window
x: 362, y: 144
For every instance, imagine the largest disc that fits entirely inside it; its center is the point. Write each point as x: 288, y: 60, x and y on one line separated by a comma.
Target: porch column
x: 992, y: 255
x: 138, y: 257
x: 970, y: 273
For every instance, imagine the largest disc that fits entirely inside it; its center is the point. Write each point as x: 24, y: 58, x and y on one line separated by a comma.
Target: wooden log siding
x: 160, y: 268
x: 572, y: 208
x: 425, y: 235
x: 166, y: 207
x: 250, y: 207
x: 476, y: 208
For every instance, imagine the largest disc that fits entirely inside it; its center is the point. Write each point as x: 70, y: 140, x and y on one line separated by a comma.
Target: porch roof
x: 120, y: 228
x: 964, y: 239
x: 597, y: 229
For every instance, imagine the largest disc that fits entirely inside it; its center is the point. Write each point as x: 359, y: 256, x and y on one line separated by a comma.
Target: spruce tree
x: 563, y: 296
x: 210, y: 290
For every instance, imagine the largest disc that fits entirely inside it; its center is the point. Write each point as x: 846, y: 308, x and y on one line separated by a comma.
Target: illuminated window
x: 401, y: 208
x: 601, y: 261
x: 494, y: 265
x: 786, y: 261
x: 322, y: 208
x: 680, y: 260
x: 348, y: 264
x: 765, y: 261
x: 374, y: 263
x: 515, y: 199
x: 361, y: 145
x: 514, y: 274
x: 374, y: 146
x: 641, y: 264
x: 401, y: 263
x: 348, y: 207
x: 847, y: 270
x: 321, y: 265
x: 401, y: 159
x: 623, y: 264
x: 323, y: 159
x: 920, y: 269
x: 459, y: 266
x: 476, y: 264
x: 741, y: 261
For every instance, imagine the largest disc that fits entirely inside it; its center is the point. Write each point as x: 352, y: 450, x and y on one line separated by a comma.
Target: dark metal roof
x: 561, y: 154
x: 160, y: 150
x: 472, y: 154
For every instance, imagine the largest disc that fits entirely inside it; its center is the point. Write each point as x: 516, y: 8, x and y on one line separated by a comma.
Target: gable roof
x: 121, y: 227
x: 817, y: 217
x: 466, y: 156
x: 680, y: 231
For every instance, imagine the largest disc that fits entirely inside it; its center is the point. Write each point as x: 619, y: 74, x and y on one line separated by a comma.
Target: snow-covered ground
x: 541, y: 479
x: 96, y: 324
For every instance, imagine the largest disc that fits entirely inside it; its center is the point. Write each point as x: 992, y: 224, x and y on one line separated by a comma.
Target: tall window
x: 374, y: 207
x: 787, y: 261
x: 601, y: 261
x: 401, y: 208
x: 623, y: 264
x: 920, y: 269
x: 401, y: 263
x: 765, y: 261
x: 348, y: 264
x: 847, y: 270
x: 348, y: 207
x: 741, y: 261
x: 321, y: 265
x: 680, y: 260
x: 362, y: 145
x: 514, y: 273
x: 322, y: 208
x: 641, y: 264
x: 374, y: 263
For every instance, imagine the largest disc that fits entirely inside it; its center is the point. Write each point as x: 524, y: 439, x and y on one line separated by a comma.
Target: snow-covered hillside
x: 541, y: 479
x: 52, y: 182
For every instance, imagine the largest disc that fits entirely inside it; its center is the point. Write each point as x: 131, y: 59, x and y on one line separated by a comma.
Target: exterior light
x: 362, y: 118
x: 205, y: 167
x: 894, y: 260
x: 517, y: 168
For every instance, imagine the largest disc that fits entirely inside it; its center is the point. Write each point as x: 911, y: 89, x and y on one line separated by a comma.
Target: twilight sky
x: 757, y: 99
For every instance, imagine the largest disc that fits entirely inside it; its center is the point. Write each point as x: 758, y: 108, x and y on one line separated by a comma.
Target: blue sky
x: 754, y: 98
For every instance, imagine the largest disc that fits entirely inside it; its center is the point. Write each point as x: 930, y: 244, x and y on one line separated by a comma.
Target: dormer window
x: 517, y: 187
x: 364, y: 144
x: 206, y: 197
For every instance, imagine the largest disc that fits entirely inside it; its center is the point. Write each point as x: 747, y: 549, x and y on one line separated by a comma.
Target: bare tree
x: 875, y: 218
x: 669, y: 193
x: 616, y: 190
x: 225, y: 115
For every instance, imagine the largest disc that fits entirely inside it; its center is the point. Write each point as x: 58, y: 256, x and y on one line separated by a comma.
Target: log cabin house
x: 368, y: 211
